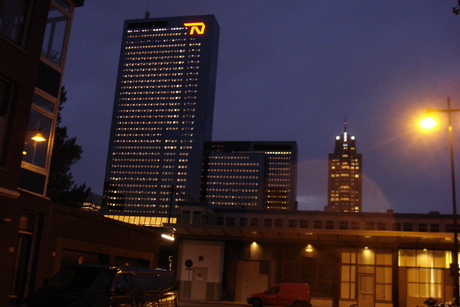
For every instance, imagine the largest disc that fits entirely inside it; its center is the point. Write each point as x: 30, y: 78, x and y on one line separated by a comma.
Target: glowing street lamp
x: 429, y: 122
x: 38, y: 137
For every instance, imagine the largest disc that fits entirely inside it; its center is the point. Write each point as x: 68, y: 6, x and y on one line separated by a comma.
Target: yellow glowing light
x: 197, y: 27
x: 38, y: 137
x: 428, y: 122
x: 167, y: 237
x: 309, y: 248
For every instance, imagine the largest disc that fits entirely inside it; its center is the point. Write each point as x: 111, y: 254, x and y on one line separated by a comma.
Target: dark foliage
x: 456, y: 9
x: 61, y: 187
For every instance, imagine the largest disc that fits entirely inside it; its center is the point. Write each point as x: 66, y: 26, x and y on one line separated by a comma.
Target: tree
x: 61, y: 186
x: 456, y: 9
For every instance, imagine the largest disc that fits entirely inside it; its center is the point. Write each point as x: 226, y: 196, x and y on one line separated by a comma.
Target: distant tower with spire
x: 345, y: 175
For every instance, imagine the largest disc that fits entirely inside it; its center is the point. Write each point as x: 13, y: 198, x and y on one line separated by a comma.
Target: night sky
x: 292, y: 71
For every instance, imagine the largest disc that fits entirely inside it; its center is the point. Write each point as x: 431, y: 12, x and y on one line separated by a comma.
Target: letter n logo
x: 195, y: 27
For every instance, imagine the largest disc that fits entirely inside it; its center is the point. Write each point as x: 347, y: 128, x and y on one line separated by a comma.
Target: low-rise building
x: 369, y: 259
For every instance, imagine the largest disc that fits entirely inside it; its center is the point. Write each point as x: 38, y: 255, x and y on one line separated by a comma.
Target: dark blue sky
x: 291, y: 71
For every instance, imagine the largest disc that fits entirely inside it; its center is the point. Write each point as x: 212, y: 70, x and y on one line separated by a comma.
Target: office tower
x: 250, y: 175
x: 345, y: 175
x: 163, y: 111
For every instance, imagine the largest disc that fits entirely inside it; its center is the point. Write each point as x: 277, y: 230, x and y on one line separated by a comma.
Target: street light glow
x: 428, y: 122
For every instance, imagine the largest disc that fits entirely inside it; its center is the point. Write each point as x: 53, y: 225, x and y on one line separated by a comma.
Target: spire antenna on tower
x: 147, y: 13
x: 345, y: 124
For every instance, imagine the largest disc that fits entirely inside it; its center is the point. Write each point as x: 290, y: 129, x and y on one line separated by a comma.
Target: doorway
x: 199, y: 283
x: 366, y: 291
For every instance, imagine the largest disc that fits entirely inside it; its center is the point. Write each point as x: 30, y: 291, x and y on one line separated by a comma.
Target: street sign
x: 188, y: 263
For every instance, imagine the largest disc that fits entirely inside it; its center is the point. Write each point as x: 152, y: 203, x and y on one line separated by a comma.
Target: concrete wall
x: 203, y: 280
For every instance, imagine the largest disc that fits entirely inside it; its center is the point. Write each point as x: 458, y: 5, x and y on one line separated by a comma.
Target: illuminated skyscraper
x: 345, y: 176
x: 250, y: 175
x: 163, y: 111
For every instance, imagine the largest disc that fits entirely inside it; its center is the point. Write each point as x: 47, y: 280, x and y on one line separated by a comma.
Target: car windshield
x: 82, y: 279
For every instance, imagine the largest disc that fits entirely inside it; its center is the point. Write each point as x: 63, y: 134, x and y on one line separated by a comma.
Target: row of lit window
x: 167, y: 63
x: 344, y: 190
x: 234, y: 164
x: 149, y: 69
x: 149, y: 52
x: 149, y: 80
x: 339, y: 161
x: 136, y: 141
x: 139, y: 192
x: 130, y: 185
x: 234, y: 190
x: 229, y: 157
x: 134, y: 179
x: 136, y: 160
x: 153, y: 116
x: 155, y: 46
x: 278, y: 152
x: 232, y: 196
x: 138, y: 134
x: 284, y: 191
x: 232, y: 183
x: 233, y: 177
x: 271, y: 202
x: 156, y: 34
x: 224, y: 170
x: 156, y: 103
x: 137, y: 87
x: 156, y: 98
x: 346, y: 167
x: 151, y: 93
x: 345, y: 199
x: 140, y: 128
x: 224, y: 203
x: 345, y: 175
x: 277, y: 196
x: 134, y: 173
x: 157, y: 116
x: 136, y: 153
x: 149, y: 123
x: 140, y: 41
x: 284, y: 169
x: 150, y: 104
x: 146, y: 30
x: 278, y: 180
x: 154, y: 110
x: 151, y: 58
x: 149, y: 77
x: 135, y: 166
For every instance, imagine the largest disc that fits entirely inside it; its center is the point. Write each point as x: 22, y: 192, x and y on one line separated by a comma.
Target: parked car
x: 86, y: 285
x: 283, y: 294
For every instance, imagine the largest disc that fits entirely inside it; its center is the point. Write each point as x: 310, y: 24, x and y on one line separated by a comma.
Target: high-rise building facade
x: 252, y: 175
x: 345, y: 175
x: 163, y: 111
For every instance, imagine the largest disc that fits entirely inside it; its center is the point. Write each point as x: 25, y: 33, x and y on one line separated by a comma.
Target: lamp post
x: 454, y: 265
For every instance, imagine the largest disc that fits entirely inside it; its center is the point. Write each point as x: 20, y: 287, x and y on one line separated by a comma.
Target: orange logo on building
x: 197, y: 27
